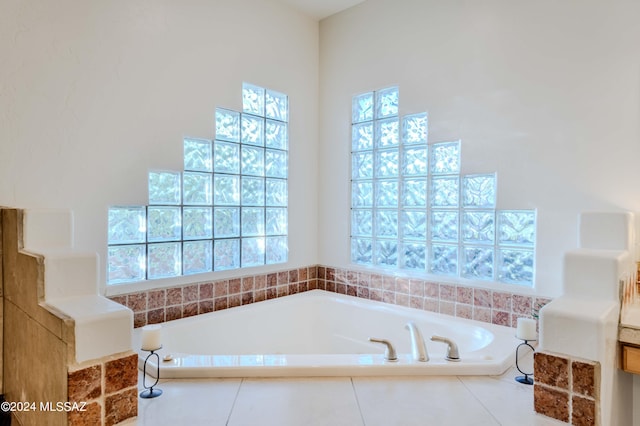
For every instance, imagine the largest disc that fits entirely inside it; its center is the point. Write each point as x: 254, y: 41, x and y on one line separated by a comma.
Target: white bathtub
x: 319, y: 333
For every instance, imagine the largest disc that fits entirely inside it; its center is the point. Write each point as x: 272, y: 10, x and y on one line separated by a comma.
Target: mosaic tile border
x: 481, y: 304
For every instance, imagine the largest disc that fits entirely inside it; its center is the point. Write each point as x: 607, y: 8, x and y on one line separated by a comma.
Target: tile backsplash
x: 497, y: 307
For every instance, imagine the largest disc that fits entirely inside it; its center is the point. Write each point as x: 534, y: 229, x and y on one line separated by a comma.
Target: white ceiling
x: 320, y: 9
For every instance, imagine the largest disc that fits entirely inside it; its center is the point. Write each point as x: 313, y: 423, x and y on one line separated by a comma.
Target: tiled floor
x: 348, y: 401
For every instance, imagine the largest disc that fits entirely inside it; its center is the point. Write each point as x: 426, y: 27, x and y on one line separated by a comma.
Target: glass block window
x: 226, y: 210
x: 413, y: 209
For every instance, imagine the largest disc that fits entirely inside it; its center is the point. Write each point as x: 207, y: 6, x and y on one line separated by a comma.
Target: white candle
x: 526, y: 329
x: 151, y: 339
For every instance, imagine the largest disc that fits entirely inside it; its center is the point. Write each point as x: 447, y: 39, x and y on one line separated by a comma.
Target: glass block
x: 478, y: 227
x: 387, y: 193
x: 414, y: 193
x: 252, y: 191
x: 479, y: 191
x: 387, y: 102
x: 253, y: 250
x: 226, y: 157
x: 445, y: 158
x: 252, y: 130
x: 252, y: 162
x: 277, y: 250
x: 414, y: 128
x: 226, y: 254
x: 444, y: 191
x: 226, y: 222
x: 414, y: 256
x: 515, y: 266
x: 196, y: 189
x: 276, y: 192
x: 164, y: 260
x: 387, y: 163
x: 362, y: 136
x: 276, y: 106
x: 362, y: 108
x: 387, y: 133
x: 252, y: 222
x: 276, y: 163
x: 252, y: 99
x: 226, y: 190
x: 164, y: 223
x: 386, y: 253
x: 362, y: 194
x: 197, y: 155
x: 362, y: 165
x: 126, y: 263
x: 276, y: 222
x: 197, y: 257
x: 164, y: 188
x: 444, y: 226
x: 361, y: 223
x: 477, y: 263
x: 414, y: 161
x: 276, y: 134
x: 362, y: 251
x: 197, y: 223
x: 387, y: 223
x: 227, y: 125
x: 444, y: 259
x: 127, y: 225
x: 517, y: 227
x: 414, y: 225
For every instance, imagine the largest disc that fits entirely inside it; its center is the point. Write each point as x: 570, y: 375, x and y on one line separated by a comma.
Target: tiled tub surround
x: 567, y: 389
x: 496, y: 307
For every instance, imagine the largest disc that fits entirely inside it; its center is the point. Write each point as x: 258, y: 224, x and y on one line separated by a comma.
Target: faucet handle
x: 390, y: 352
x: 452, y: 348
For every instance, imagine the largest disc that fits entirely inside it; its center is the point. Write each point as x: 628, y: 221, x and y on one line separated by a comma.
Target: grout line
x: 235, y: 399
x: 478, y: 399
x: 355, y: 394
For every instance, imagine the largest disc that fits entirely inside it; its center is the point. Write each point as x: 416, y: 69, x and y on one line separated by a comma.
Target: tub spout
x: 452, y: 348
x: 418, y: 348
x: 390, y: 352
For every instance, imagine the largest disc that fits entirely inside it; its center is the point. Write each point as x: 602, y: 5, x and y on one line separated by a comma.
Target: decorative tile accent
x: 92, y: 415
x: 85, y: 384
x: 551, y: 402
x: 551, y: 370
x: 584, y: 377
x: 108, y: 404
x: 583, y: 411
x: 567, y: 389
x: 121, y: 406
x: 121, y: 373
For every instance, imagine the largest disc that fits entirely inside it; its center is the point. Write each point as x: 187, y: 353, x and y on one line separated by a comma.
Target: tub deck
x: 319, y: 333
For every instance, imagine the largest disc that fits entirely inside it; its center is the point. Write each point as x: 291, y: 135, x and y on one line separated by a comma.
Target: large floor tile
x: 419, y: 401
x: 511, y: 403
x: 190, y: 402
x: 296, y: 402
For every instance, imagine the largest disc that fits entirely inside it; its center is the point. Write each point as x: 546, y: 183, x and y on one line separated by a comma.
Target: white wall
x: 546, y: 93
x: 95, y: 94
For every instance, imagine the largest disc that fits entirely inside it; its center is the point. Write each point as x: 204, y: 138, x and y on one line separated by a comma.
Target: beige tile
x: 492, y: 394
x: 296, y: 401
x: 189, y: 402
x: 419, y: 401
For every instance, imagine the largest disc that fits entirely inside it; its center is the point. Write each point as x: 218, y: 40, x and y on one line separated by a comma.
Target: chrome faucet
x: 390, y: 352
x: 418, y: 348
x: 452, y: 348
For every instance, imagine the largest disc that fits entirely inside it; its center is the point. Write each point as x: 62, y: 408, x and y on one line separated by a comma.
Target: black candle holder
x: 149, y: 391
x: 526, y: 380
